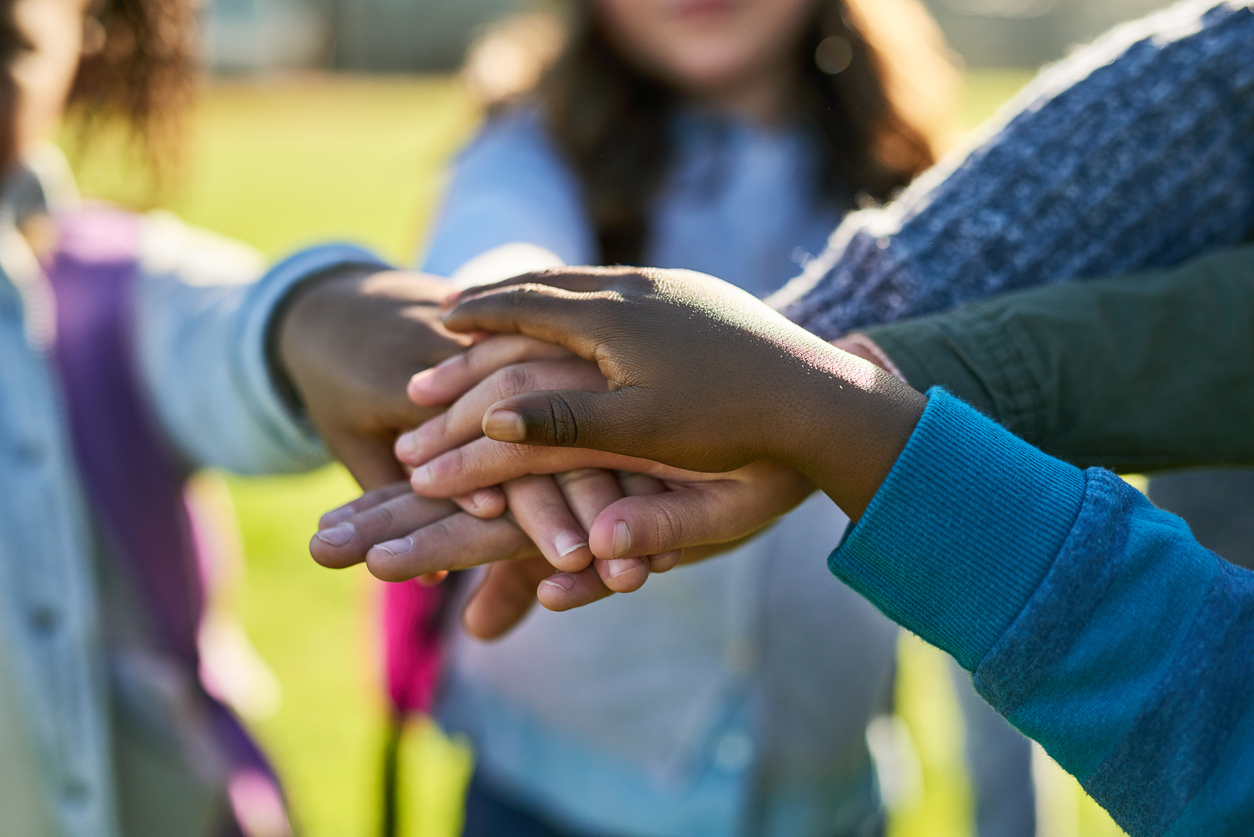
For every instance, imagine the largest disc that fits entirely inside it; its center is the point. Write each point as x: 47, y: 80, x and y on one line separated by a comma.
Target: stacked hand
x: 678, y: 367
x: 661, y: 515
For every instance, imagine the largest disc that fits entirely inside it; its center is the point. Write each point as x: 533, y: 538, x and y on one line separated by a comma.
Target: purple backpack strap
x: 133, y: 481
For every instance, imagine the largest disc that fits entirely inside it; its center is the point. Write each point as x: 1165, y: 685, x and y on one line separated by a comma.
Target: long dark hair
x: 139, y: 66
x: 871, y: 74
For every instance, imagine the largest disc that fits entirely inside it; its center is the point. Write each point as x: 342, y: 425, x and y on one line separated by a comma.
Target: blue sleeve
x: 1135, y: 153
x: 510, y: 185
x: 204, y: 308
x: 1092, y: 621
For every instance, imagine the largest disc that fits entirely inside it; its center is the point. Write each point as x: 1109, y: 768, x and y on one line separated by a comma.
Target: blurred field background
x: 281, y: 163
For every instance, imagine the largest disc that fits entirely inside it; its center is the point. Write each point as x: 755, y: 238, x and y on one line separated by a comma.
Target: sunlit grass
x: 285, y: 163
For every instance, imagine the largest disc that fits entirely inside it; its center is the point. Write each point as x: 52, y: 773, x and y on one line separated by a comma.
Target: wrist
x: 854, y: 425
x: 305, y: 308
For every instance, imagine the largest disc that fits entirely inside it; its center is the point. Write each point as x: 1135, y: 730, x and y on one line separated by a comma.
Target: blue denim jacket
x: 200, y: 330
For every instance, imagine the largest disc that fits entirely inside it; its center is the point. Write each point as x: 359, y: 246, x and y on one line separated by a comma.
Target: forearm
x: 1133, y: 373
x: 203, y: 346
x: 1113, y: 161
x: 1034, y: 574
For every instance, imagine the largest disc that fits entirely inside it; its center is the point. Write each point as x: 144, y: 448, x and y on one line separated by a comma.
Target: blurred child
x: 728, y: 137
x: 132, y: 350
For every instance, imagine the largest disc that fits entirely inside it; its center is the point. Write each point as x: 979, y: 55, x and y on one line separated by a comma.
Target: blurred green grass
x: 286, y: 162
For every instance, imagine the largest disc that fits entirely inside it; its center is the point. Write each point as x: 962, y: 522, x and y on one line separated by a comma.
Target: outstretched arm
x: 1093, y: 621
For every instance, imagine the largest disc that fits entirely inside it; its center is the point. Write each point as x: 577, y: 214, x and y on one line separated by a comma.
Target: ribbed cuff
x: 962, y: 531
x: 255, y: 378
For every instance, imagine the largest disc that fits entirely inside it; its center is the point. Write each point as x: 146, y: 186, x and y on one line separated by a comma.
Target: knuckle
x: 562, y: 428
x: 512, y: 380
x: 668, y: 527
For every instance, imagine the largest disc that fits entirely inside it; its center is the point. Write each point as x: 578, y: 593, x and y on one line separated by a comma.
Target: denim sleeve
x: 202, y: 322
x: 510, y: 185
x: 1135, y: 153
x: 1092, y: 621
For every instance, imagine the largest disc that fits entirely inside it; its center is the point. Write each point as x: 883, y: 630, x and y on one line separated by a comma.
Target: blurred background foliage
x: 284, y: 160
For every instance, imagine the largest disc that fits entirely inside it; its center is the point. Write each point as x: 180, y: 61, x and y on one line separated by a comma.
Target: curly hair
x: 875, y: 80
x: 139, y: 65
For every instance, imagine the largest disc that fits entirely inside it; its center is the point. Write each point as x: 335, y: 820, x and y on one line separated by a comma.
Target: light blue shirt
x: 200, y: 326
x: 725, y: 698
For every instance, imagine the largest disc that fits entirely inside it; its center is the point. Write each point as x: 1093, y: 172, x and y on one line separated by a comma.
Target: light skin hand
x: 349, y: 343
x: 669, y: 342
x: 400, y: 535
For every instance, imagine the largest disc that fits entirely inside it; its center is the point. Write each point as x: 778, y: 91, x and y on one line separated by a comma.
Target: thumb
x: 607, y: 421
x: 705, y: 513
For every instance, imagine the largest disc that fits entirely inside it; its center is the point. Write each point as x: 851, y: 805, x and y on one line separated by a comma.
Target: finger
x: 563, y: 591
x: 347, y: 542
x: 502, y: 599
x: 448, y: 381
x: 365, y: 501
x: 637, y: 485
x: 455, y: 542
x: 486, y: 462
x: 569, y: 319
x: 700, y: 514
x: 540, y: 510
x: 463, y: 421
x: 617, y: 422
x: 483, y: 503
x: 588, y: 491
x: 584, y: 279
x: 665, y: 562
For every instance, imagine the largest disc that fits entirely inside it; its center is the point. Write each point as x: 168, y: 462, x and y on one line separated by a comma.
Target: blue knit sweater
x: 1136, y: 152
x: 1091, y: 620
x: 1094, y: 622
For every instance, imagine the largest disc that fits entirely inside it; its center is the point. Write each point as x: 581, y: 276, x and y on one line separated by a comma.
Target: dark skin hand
x: 693, y: 513
x: 702, y: 377
x: 349, y: 343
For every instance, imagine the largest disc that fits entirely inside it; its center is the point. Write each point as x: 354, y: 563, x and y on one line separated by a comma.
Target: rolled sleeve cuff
x: 962, y: 531
x: 255, y: 377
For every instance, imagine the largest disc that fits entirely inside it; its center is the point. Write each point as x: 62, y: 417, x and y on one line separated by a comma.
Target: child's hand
x: 702, y: 376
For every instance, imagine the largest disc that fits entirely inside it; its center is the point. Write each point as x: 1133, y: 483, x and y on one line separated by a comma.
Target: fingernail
x: 482, y: 497
x: 338, y: 535
x: 336, y: 516
x: 617, y: 566
x: 562, y: 581
x: 505, y: 426
x: 421, y: 476
x: 568, y: 542
x: 447, y: 362
x: 406, y: 445
x: 622, y: 538
x: 397, y: 547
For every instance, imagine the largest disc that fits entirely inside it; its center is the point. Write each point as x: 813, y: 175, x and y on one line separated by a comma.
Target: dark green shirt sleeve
x: 1134, y: 373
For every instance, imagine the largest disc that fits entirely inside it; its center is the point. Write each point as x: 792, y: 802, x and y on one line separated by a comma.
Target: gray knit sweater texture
x: 1135, y: 152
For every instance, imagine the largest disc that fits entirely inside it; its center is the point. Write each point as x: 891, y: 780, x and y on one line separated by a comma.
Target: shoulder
x: 510, y: 136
